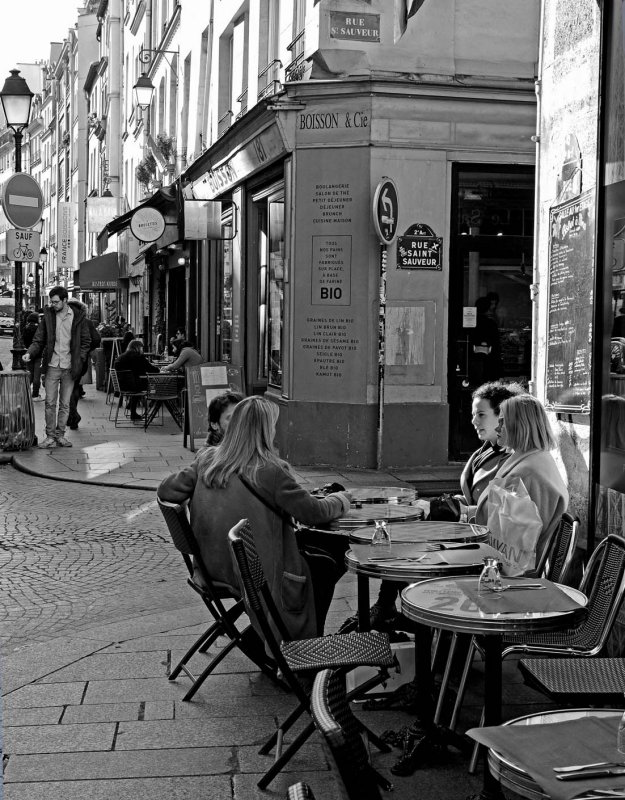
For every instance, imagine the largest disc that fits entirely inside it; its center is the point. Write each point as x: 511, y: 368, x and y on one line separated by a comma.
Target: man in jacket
x: 63, y: 340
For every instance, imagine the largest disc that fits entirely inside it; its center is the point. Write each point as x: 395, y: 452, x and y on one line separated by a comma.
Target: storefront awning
x: 99, y: 274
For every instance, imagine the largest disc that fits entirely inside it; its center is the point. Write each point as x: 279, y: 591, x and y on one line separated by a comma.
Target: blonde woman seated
x: 524, y: 431
x: 244, y: 477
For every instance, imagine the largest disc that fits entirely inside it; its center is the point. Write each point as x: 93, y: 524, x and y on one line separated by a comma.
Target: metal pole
x: 18, y: 343
x: 38, y: 267
x: 381, y: 353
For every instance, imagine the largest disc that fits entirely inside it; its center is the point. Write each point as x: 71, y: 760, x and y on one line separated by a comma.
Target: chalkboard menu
x: 204, y: 382
x: 569, y: 334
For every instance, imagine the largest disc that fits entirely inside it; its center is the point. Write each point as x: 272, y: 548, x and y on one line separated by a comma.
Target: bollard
x: 17, y: 416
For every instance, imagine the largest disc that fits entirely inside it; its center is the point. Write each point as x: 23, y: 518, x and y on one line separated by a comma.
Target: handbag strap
x: 286, y: 517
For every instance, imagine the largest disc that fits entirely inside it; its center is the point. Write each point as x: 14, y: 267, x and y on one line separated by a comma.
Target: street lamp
x: 143, y: 91
x: 16, y: 98
x: 43, y: 260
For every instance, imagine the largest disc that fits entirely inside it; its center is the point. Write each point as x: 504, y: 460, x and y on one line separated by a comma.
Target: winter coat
x: 80, y: 339
x: 215, y: 511
x: 541, y: 477
x: 138, y: 365
x: 479, y: 471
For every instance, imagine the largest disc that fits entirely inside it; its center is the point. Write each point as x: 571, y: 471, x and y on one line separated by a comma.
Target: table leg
x: 151, y: 412
x: 363, y: 602
x: 175, y: 412
x: 492, y: 645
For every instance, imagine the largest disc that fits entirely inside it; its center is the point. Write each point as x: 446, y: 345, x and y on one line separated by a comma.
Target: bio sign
x: 419, y: 248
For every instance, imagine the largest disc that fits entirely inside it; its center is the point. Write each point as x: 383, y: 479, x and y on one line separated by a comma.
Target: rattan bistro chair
x: 163, y: 390
x: 340, y: 729
x: 213, y: 596
x: 124, y: 388
x: 300, y: 791
x: 577, y: 682
x: 345, y: 651
x: 604, y: 585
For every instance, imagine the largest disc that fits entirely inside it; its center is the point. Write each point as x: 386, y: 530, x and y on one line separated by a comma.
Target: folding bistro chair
x: 163, y: 390
x: 333, y: 718
x: 213, y: 596
x: 123, y: 385
x: 345, y: 651
x: 604, y: 585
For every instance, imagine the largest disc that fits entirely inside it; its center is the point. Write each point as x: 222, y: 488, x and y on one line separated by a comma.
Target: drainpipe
x: 534, y: 289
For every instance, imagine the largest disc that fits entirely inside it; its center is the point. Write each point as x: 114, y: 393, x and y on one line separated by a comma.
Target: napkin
x: 549, y: 599
x: 538, y: 748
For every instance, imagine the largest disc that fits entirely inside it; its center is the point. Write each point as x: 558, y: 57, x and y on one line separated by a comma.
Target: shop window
x: 224, y: 330
x: 270, y: 290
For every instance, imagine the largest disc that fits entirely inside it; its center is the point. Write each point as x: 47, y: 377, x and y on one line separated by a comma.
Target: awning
x: 99, y: 274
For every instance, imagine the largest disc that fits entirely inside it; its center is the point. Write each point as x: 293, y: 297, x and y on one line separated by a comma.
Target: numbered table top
x: 417, y: 562
x: 449, y: 603
x: 422, y: 531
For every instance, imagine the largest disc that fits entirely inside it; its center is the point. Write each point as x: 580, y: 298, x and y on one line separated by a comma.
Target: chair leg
x: 476, y: 751
x: 445, y: 682
x: 214, y: 663
x: 463, y: 685
x: 286, y: 756
x: 284, y: 727
x: 119, y: 405
x: 200, y: 645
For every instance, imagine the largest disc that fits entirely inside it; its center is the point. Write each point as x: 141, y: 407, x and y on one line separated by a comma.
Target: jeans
x: 59, y: 385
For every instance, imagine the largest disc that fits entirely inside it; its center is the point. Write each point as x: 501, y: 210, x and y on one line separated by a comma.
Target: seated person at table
x: 189, y: 357
x: 175, y: 343
x: 524, y: 432
x: 246, y: 478
x: 134, y: 362
x: 220, y: 410
x: 477, y: 474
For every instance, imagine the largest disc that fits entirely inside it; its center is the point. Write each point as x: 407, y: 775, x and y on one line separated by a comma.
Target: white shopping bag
x: 514, y: 525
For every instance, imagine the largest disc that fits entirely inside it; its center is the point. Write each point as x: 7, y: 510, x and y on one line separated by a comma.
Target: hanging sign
x: 147, y: 224
x: 419, y: 248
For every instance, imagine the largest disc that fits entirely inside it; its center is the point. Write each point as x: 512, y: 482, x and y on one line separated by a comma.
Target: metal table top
x: 425, y: 531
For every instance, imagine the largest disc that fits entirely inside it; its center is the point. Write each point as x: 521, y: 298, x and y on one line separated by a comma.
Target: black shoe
x: 82, y: 393
x: 136, y: 417
x: 73, y: 426
x: 381, y: 618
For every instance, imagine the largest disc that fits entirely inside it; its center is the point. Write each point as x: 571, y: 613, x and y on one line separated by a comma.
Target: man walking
x: 63, y: 339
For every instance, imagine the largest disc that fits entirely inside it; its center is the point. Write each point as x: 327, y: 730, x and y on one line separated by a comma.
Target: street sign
x: 22, y: 201
x: 23, y: 245
x: 385, y: 210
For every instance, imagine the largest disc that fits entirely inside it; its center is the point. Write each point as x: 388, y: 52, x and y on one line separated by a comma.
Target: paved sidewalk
x: 133, y: 458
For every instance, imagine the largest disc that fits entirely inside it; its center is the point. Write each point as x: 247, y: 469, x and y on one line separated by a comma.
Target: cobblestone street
x: 73, y: 554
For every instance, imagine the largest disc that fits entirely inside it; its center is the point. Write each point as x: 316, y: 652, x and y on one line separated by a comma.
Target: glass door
x: 490, y: 308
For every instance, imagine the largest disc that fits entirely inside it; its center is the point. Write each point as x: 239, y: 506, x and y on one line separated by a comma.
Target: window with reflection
x: 270, y: 289
x: 224, y: 320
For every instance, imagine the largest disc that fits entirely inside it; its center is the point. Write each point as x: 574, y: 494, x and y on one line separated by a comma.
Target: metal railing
x: 296, y: 69
x: 269, y: 79
x: 242, y: 99
x: 224, y: 122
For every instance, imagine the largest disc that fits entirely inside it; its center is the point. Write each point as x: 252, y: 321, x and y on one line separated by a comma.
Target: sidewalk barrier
x: 17, y: 416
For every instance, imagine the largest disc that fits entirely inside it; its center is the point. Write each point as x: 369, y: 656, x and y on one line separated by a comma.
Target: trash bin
x: 100, y: 369
x: 17, y: 416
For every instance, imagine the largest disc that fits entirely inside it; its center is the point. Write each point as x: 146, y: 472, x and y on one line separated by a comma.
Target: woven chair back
x: 335, y: 721
x: 561, y: 553
x: 300, y: 791
x: 114, y: 380
x: 163, y: 387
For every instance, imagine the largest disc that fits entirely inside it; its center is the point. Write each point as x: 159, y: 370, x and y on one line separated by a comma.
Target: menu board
x: 569, y: 334
x: 204, y: 382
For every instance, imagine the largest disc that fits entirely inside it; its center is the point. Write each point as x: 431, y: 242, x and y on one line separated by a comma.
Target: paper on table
x: 551, y: 599
x: 536, y: 748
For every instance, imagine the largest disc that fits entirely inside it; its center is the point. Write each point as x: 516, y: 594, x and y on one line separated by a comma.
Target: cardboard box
x: 404, y: 652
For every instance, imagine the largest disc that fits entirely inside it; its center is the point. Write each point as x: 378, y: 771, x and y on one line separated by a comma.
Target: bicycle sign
x: 23, y: 245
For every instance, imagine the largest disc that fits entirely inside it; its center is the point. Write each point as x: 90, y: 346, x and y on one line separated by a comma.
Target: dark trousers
x: 325, y: 556
x: 34, y: 367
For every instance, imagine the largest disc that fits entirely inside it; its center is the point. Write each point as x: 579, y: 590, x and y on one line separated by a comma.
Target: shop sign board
x: 354, y: 27
x: 204, y: 382
x: 147, y: 224
x: 419, y: 248
x: 386, y: 210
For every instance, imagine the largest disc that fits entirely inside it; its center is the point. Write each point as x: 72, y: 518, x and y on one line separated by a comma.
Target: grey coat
x: 215, y: 511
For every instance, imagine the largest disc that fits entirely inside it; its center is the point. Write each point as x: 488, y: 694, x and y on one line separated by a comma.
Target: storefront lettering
x: 330, y: 343
x: 320, y: 120
x: 332, y: 203
x: 221, y: 177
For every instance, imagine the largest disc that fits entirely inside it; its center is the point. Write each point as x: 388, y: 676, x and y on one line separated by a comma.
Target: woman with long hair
x: 524, y: 431
x: 245, y: 477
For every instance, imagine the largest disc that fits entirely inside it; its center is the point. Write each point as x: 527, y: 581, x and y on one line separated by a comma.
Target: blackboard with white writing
x: 569, y: 333
x: 204, y: 382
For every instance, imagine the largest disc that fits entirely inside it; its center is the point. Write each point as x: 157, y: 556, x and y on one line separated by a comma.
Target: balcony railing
x: 296, y: 69
x: 269, y: 79
x: 242, y: 100
x: 224, y: 122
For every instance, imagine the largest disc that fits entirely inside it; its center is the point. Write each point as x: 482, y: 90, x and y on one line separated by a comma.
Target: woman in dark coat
x: 137, y: 366
x: 218, y: 487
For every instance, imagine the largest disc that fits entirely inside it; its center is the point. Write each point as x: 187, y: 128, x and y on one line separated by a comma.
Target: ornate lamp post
x: 16, y: 98
x: 43, y: 260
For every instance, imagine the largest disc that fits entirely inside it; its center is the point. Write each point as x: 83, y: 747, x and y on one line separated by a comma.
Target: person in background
x: 63, y: 340
x: 188, y: 357
x: 128, y: 337
x: 244, y: 477
x: 137, y: 365
x: 220, y: 411
x: 175, y: 343
x: 476, y: 476
x: 524, y: 431
x: 78, y: 391
x: 34, y: 366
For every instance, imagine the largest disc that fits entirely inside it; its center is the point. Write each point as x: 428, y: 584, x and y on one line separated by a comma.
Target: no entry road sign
x: 22, y: 201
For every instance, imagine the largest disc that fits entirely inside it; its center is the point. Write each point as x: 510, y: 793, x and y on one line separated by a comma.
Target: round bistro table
x: 441, y: 603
